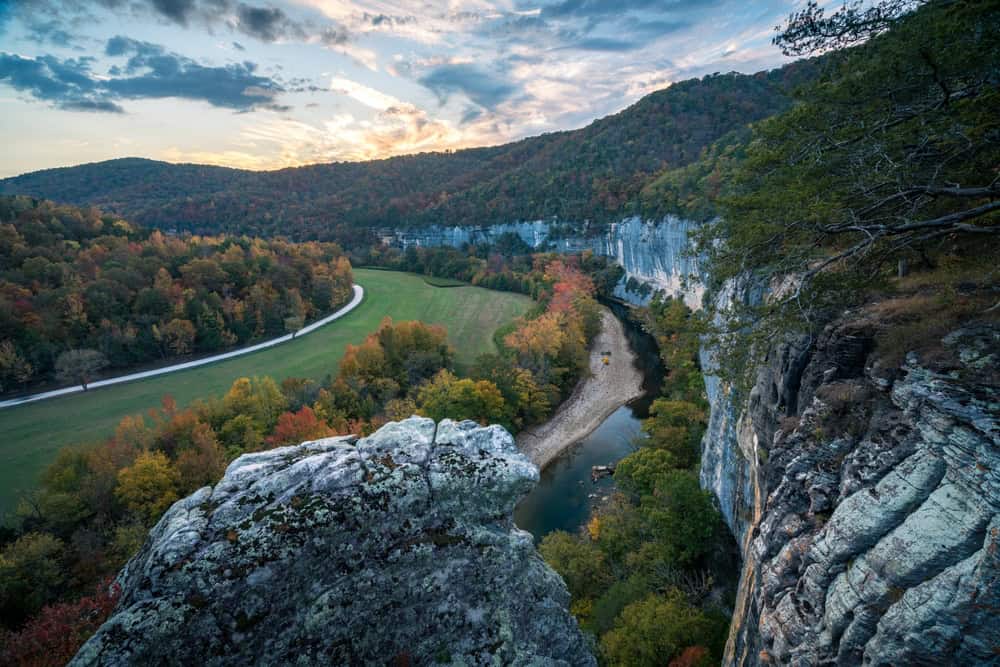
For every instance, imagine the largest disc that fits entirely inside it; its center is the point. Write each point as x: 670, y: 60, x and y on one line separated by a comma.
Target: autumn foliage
x: 78, y: 282
x: 52, y: 638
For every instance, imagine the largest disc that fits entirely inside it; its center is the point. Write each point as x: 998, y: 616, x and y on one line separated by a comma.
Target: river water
x: 565, y: 494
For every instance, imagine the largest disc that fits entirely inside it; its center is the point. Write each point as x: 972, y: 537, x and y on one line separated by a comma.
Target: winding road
x: 359, y: 293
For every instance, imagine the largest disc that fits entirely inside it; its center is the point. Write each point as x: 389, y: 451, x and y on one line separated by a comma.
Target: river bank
x: 607, y: 388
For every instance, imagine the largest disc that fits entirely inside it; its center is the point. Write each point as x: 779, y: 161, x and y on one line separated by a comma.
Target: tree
x: 31, y: 575
x: 888, y: 156
x: 677, y: 427
x: 149, y: 486
x: 179, y: 336
x: 79, y: 365
x: 296, y: 427
x: 449, y: 397
x: 54, y: 636
x: 655, y: 630
x: 580, y: 563
x: 680, y: 518
x: 809, y: 30
x: 638, y: 473
x: 260, y: 399
x: 201, y: 463
x: 14, y: 369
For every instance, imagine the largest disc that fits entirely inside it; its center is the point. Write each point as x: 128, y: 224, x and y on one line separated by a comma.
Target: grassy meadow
x: 30, y: 435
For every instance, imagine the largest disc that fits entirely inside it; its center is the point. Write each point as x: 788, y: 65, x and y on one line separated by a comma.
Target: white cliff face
x: 653, y: 252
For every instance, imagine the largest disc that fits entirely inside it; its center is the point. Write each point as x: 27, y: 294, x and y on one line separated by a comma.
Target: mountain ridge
x: 593, y: 173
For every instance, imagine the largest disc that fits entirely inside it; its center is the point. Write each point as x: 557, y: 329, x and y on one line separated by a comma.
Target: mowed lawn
x: 30, y: 435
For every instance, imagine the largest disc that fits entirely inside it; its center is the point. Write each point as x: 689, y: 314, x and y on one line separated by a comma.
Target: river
x: 565, y: 495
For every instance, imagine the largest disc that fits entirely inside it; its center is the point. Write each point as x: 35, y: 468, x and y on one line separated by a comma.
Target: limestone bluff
x: 399, y: 546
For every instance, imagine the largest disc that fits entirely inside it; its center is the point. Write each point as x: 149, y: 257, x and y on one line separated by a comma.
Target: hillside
x: 595, y: 173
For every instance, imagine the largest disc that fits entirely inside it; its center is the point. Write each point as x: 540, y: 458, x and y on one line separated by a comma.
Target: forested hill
x: 594, y: 173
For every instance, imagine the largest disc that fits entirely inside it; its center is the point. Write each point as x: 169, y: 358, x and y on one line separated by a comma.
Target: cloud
x: 284, y: 142
x: 66, y: 84
x: 51, y: 32
x: 151, y: 72
x: 162, y: 74
x: 179, y: 11
x: 606, y: 44
x: 368, y: 96
x: 603, y: 8
x: 480, y: 86
x: 268, y: 24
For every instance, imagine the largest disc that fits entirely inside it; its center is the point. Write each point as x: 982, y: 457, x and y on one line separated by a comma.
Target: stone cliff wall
x: 651, y: 251
x: 866, y: 501
x: 397, y: 549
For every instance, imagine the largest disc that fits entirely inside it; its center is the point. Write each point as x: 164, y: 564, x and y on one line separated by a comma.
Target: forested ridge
x: 81, y: 291
x: 594, y: 173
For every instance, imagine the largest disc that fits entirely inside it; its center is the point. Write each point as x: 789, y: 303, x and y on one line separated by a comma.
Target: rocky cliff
x: 866, y: 499
x: 651, y: 251
x: 398, y: 548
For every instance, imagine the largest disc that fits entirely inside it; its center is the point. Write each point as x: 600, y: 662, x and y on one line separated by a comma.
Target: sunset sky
x: 263, y: 84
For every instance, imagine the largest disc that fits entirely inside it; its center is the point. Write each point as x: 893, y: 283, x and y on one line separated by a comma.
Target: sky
x: 264, y: 84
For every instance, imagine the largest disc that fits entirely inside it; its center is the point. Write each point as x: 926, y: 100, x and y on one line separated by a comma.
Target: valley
x: 706, y: 371
x: 34, y: 433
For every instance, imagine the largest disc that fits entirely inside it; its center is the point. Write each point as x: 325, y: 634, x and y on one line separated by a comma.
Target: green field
x: 33, y: 433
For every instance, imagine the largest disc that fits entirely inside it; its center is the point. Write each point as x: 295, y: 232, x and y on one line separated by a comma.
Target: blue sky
x: 262, y: 84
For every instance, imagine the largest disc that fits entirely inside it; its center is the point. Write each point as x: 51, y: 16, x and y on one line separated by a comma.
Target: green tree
x: 580, y: 563
x: 677, y: 427
x: 655, y: 630
x: 680, y: 518
x: 31, y: 575
x: 638, y: 473
x: 891, y: 154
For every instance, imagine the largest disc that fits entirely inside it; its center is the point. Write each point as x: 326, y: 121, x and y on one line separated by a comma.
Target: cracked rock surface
x: 397, y: 548
x: 875, y: 534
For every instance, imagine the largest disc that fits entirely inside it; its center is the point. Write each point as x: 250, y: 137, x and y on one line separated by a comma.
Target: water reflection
x: 565, y: 494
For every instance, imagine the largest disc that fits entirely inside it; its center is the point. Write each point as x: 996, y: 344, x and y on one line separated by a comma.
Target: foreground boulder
x: 395, y: 549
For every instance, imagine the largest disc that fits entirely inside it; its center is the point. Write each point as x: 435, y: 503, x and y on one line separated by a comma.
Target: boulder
x: 398, y: 548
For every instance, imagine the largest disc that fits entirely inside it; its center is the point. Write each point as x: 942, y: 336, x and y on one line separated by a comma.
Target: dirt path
x: 608, y: 388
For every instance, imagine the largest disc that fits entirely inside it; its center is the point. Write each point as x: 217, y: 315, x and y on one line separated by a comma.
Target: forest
x: 82, y: 292
x: 97, y: 501
x: 596, y: 173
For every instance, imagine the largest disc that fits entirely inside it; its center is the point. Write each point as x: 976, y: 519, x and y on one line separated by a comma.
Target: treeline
x: 642, y: 574
x: 508, y: 264
x: 81, y: 290
x: 595, y: 173
x: 97, y: 502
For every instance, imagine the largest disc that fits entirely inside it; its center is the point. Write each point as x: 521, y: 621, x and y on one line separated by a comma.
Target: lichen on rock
x: 398, y: 547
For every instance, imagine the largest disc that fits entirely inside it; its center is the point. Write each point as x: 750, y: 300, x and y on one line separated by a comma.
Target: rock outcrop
x: 867, y: 503
x: 398, y: 548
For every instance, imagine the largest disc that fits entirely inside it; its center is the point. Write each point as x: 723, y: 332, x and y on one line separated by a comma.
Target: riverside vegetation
x: 642, y: 572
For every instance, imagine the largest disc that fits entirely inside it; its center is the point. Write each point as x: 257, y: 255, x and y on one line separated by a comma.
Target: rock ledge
x: 396, y: 548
